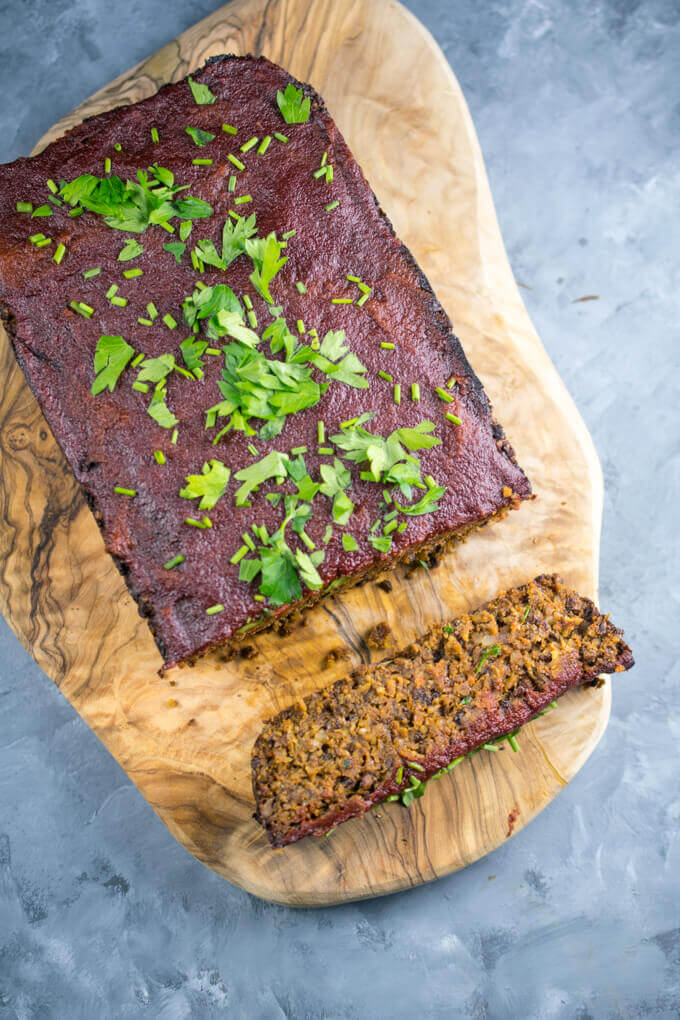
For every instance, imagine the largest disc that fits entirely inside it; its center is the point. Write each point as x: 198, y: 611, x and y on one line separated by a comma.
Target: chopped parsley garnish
x: 176, y: 248
x: 294, y: 108
x: 130, y: 250
x: 201, y: 93
x: 490, y: 652
x: 265, y: 253
x: 198, y: 136
x: 111, y: 358
x: 209, y: 486
x: 135, y: 205
x: 159, y: 410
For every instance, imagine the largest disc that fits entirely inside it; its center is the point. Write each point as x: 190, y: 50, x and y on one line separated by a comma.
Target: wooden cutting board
x: 185, y: 740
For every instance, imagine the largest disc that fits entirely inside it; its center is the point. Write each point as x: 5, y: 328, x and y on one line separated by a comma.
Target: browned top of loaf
x: 338, y: 752
x: 110, y: 439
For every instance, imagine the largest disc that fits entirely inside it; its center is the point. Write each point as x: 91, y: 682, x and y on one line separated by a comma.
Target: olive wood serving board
x: 185, y: 739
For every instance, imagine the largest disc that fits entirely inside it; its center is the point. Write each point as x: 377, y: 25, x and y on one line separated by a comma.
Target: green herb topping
x: 294, y: 108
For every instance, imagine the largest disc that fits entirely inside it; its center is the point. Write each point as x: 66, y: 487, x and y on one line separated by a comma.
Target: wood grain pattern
x: 402, y: 112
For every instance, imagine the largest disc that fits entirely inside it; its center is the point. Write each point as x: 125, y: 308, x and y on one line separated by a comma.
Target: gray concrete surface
x: 102, y: 914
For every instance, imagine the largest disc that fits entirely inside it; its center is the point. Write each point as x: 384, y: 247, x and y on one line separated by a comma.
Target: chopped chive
x: 279, y: 137
x: 242, y: 198
x: 443, y: 395
x: 82, y: 309
x: 24, y: 207
x: 144, y: 322
x: 324, y: 159
x: 321, y: 172
x: 512, y: 741
x: 300, y: 327
x: 320, y: 432
x: 213, y: 351
x: 89, y: 273
x: 385, y: 375
x: 363, y: 299
x: 175, y: 433
x: 211, y: 610
x: 326, y: 451
x: 252, y: 319
x: 152, y: 310
x: 120, y: 491
x: 229, y: 129
x: 288, y: 234
x: 387, y: 495
x: 59, y: 253
x: 113, y: 289
x: 232, y: 182
x: 397, y: 393
x: 42, y: 210
x: 239, y: 554
x: 402, y: 527
x: 253, y: 449
x: 118, y: 147
x: 264, y: 145
x: 297, y: 450
x: 107, y: 165
x: 141, y: 387
x: 169, y: 321
x: 454, y: 418
x: 77, y: 211
x: 415, y: 765
x: 248, y: 541
x: 43, y: 244
x: 301, y: 289
x: 34, y: 238
x: 389, y: 528
x: 329, y: 174
x: 248, y: 301
x: 54, y: 201
x: 198, y: 524
x: 154, y: 135
x: 174, y: 562
x: 400, y: 774
x: 247, y: 146
x: 328, y: 534
x: 202, y: 161
x: 130, y: 274
x: 430, y: 482
x: 342, y: 301
x: 136, y: 361
x: 332, y: 205
x: 120, y: 302
x: 415, y: 392
x: 194, y: 260
x: 160, y: 456
x: 235, y: 161
x: 451, y: 383
x: 52, y: 186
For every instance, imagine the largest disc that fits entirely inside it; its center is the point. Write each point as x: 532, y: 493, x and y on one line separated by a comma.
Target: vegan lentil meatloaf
x: 379, y: 733
x: 245, y: 368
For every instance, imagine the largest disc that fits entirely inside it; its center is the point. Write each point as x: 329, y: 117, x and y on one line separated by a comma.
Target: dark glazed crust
x: 338, y: 753
x: 109, y: 439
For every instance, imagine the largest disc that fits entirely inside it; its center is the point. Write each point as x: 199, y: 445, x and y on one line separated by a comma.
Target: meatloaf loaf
x: 379, y: 733
x: 246, y: 370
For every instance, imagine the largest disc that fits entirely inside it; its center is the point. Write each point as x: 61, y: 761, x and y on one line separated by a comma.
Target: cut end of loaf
x: 365, y: 738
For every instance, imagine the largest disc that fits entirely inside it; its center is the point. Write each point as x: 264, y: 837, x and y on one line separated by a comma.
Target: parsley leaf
x: 176, y: 248
x: 130, y: 250
x: 274, y: 465
x: 235, y: 233
x: 206, y: 303
x: 198, y: 136
x: 427, y: 505
x: 265, y: 253
x: 336, y: 479
x: 159, y: 410
x: 210, y: 485
x: 348, y: 369
x: 156, y: 369
x: 110, y: 360
x: 349, y: 543
x: 294, y: 109
x: 192, y: 352
x: 201, y: 93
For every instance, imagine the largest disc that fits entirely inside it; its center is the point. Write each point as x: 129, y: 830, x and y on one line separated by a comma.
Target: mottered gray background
x: 102, y: 914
